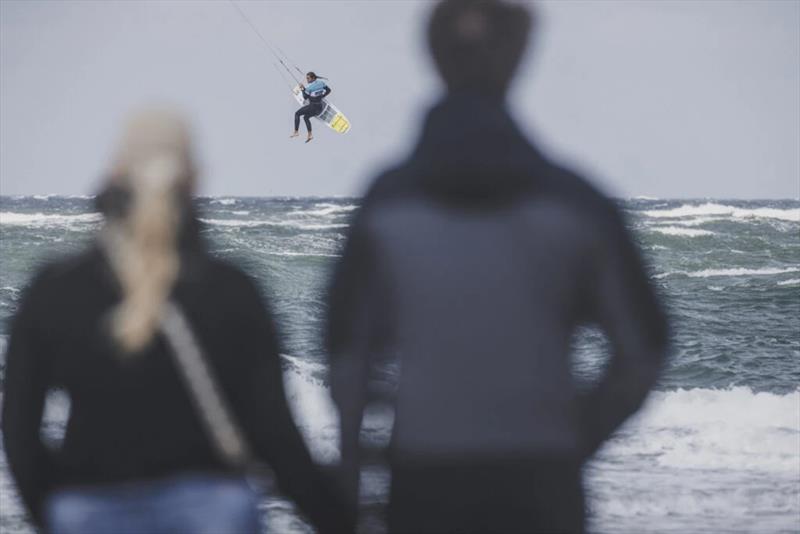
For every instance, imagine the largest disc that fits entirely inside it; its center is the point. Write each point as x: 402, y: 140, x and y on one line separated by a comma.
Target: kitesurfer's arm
x: 24, y: 391
x: 327, y: 91
x: 625, y: 305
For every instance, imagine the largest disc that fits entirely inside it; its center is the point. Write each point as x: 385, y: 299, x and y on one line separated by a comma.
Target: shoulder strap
x: 204, y: 390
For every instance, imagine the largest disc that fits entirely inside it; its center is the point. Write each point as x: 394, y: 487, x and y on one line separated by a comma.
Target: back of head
x: 145, y: 202
x: 477, y: 44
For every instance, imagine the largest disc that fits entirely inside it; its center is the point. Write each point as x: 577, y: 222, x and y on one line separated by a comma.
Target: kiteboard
x: 330, y: 114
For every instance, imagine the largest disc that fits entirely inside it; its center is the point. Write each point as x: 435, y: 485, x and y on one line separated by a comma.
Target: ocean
x: 716, y: 447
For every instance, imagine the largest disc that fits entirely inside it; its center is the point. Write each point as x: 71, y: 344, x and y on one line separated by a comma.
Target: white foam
x: 682, y: 232
x: 245, y: 223
x: 51, y: 195
x: 697, y: 221
x: 324, y: 208
x: 790, y: 282
x: 304, y: 254
x: 739, y: 271
x: 702, y: 459
x: 224, y: 201
x: 694, y: 210
x: 42, y: 219
x: 312, y: 408
x: 718, y: 428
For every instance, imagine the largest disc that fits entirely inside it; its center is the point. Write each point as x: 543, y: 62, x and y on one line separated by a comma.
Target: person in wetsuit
x: 472, y: 264
x: 314, y: 93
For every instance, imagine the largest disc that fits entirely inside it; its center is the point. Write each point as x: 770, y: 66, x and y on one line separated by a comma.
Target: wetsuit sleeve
x: 306, y: 96
x: 268, y: 423
x: 624, y: 304
x: 356, y: 331
x: 24, y: 391
x: 327, y: 91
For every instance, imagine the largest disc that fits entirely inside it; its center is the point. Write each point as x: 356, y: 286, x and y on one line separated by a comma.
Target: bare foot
x: 310, y: 137
x: 294, y: 134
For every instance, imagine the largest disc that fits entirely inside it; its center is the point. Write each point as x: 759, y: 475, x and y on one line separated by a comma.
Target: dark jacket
x: 473, y: 262
x: 131, y: 417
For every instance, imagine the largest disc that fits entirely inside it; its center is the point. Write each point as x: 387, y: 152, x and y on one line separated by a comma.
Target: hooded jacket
x: 472, y: 264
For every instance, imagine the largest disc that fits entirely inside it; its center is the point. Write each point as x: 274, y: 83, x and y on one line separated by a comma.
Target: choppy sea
x: 717, y: 446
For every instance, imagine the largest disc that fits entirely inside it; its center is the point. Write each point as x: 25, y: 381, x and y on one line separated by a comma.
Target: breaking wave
x: 247, y: 223
x: 683, y: 232
x: 713, y: 209
x: 42, y: 219
x: 739, y: 271
x: 324, y: 209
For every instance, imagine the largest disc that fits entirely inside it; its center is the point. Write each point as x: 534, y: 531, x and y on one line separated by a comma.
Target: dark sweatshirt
x: 473, y: 262
x: 131, y: 417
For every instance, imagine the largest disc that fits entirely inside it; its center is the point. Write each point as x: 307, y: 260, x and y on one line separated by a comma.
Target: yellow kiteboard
x: 330, y: 115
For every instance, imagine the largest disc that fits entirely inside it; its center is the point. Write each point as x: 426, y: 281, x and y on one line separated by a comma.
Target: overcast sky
x: 664, y: 99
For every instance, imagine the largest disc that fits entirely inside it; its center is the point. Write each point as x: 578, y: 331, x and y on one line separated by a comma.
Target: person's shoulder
x: 237, y: 284
x: 67, y: 269
x: 574, y: 188
x: 58, y: 277
x: 389, y: 184
x: 229, y: 274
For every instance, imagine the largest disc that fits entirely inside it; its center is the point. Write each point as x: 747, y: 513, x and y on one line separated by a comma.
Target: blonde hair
x: 154, y: 167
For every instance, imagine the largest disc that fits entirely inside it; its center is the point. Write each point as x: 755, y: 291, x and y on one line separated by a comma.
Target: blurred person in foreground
x: 136, y: 456
x: 473, y: 262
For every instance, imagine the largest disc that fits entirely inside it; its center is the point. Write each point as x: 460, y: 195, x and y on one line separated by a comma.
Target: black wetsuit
x: 312, y: 109
x: 473, y: 262
x: 131, y: 418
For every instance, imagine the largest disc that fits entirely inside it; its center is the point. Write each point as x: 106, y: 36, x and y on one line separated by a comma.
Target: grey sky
x: 666, y: 99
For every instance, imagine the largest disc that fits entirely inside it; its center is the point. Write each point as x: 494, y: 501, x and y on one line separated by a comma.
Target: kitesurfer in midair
x: 314, y: 93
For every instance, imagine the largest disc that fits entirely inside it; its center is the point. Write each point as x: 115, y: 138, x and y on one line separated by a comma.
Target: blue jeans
x: 197, y: 503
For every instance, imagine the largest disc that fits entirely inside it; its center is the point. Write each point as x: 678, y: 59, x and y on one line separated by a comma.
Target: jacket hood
x: 470, y: 147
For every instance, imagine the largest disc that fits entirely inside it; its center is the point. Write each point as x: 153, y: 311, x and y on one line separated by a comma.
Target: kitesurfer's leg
x: 305, y: 112
x: 297, y: 122
x: 314, y: 109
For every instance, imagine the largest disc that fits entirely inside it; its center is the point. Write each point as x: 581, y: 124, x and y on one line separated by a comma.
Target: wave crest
x: 43, y: 219
x: 714, y: 209
x: 738, y: 271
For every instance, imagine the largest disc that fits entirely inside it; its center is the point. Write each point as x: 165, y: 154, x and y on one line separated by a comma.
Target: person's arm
x: 356, y: 330
x: 268, y: 423
x: 24, y: 391
x: 327, y: 91
x: 624, y: 304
